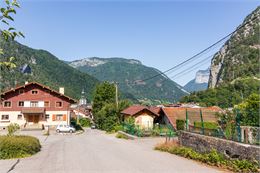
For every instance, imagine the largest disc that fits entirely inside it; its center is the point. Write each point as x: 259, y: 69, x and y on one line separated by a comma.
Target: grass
x: 212, y: 158
x: 121, y: 136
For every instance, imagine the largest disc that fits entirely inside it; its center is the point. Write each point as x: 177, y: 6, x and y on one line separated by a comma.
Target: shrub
x: 12, y: 128
x: 180, y: 124
x: 84, y: 122
x: 211, y: 158
x: 18, y: 146
x: 207, y: 125
x: 73, y: 122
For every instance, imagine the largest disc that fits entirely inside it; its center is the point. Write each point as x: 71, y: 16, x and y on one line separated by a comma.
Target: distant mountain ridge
x: 43, y: 67
x: 129, y: 73
x: 199, y: 83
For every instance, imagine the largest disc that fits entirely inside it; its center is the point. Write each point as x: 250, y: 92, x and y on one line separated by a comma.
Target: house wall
x: 144, y: 119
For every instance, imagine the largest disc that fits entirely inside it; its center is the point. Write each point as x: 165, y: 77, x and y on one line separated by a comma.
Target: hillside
x: 234, y: 70
x: 43, y: 67
x: 127, y: 72
x: 239, y: 56
x: 199, y: 83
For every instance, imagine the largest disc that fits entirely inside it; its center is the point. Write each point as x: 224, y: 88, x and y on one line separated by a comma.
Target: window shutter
x: 53, y: 117
x: 64, y: 117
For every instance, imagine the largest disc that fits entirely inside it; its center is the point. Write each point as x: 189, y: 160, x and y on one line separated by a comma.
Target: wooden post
x: 187, y: 120
x: 202, y: 123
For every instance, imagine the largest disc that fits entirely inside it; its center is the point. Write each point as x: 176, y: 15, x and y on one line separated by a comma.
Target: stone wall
x: 231, y: 149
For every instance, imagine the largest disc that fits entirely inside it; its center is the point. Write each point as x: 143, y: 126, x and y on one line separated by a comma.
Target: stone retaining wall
x: 231, y: 149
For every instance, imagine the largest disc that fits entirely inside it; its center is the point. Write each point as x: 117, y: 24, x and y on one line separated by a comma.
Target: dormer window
x: 34, y: 92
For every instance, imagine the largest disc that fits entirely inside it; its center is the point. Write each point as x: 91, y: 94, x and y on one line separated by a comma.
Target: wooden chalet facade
x: 34, y: 104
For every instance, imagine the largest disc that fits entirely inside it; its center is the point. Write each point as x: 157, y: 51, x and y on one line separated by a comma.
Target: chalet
x: 34, y: 104
x: 144, y: 116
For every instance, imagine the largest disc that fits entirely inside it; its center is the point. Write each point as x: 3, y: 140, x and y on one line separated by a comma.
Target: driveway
x: 96, y: 152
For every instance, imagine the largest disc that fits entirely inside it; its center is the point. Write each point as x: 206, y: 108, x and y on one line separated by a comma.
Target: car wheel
x: 71, y: 131
x: 58, y: 131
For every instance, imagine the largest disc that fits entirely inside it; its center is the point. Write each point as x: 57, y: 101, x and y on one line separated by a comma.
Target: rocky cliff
x: 199, y: 83
x: 239, y: 57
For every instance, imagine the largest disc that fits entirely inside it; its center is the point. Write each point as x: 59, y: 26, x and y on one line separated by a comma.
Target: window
x: 59, y: 117
x: 5, y: 117
x: 34, y: 92
x: 21, y: 103
x: 7, y: 104
x: 59, y: 104
x: 20, y: 116
x: 34, y: 104
x: 46, y: 104
x: 47, y: 116
x: 21, y: 91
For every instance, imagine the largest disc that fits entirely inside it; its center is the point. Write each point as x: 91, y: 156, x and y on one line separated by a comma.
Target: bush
x: 212, y: 158
x: 84, y: 122
x: 12, y: 128
x: 73, y: 122
x: 18, y: 146
x: 180, y: 124
x: 207, y: 125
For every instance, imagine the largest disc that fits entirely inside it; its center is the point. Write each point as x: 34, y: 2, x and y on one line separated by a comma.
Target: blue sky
x: 161, y: 34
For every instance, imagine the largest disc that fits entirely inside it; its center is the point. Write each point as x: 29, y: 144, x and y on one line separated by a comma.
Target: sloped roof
x: 38, y: 84
x: 133, y: 110
x: 174, y: 113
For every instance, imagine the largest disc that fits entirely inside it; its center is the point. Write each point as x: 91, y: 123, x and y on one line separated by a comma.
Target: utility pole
x: 116, y: 86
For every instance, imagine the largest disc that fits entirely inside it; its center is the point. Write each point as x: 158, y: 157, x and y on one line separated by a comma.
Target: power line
x: 201, y: 52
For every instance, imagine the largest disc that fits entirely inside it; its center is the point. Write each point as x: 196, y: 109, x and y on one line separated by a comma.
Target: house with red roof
x: 35, y: 105
x: 144, y: 116
x: 171, y: 114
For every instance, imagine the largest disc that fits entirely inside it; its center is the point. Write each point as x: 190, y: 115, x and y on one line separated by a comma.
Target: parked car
x: 65, y: 128
x: 93, y: 126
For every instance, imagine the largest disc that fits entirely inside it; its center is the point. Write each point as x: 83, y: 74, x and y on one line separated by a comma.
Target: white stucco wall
x: 145, y: 121
x: 13, y: 118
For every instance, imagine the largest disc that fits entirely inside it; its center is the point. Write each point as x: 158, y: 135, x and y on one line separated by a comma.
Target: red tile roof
x: 41, y: 85
x: 133, y: 110
x: 174, y: 113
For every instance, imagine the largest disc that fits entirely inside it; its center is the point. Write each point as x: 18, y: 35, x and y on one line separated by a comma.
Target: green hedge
x: 207, y: 125
x: 180, y: 124
x: 18, y: 146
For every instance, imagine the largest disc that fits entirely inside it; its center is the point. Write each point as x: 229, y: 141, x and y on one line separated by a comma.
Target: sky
x: 160, y: 34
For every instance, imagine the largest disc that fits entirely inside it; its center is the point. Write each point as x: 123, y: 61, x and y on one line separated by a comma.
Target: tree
x: 8, y: 33
x: 106, y: 114
x: 249, y: 110
x: 103, y: 94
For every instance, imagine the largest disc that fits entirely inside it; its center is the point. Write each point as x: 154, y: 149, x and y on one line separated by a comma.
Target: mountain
x: 199, y: 83
x: 239, y: 56
x: 43, y: 67
x: 129, y: 73
x: 234, y: 70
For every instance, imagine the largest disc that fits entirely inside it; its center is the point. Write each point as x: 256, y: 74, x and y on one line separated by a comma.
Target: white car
x: 65, y: 128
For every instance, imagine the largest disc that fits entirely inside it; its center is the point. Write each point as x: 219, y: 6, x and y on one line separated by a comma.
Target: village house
x: 144, y: 116
x: 34, y: 105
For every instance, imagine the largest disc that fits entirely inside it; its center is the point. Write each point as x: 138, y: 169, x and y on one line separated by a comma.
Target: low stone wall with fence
x: 231, y: 149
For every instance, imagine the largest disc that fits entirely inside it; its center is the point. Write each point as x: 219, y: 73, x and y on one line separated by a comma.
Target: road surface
x: 96, y: 152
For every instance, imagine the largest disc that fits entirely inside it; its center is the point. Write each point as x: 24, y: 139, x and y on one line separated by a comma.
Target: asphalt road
x: 96, y: 152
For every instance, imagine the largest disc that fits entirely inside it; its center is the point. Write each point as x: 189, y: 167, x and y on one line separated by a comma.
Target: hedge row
x: 207, y: 125
x: 18, y: 146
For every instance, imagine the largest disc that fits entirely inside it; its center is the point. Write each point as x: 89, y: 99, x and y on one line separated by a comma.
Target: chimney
x: 61, y: 90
